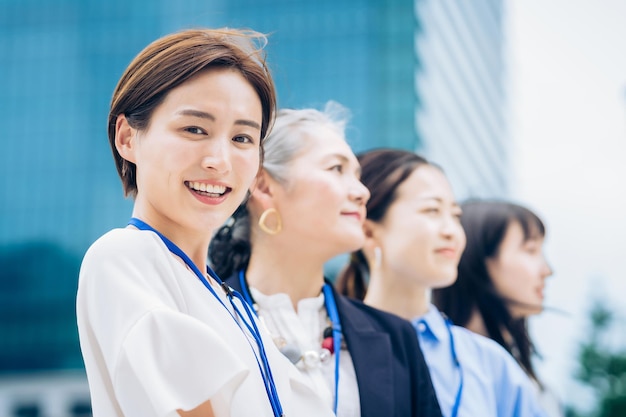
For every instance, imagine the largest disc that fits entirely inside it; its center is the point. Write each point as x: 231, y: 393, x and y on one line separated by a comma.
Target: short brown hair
x: 173, y: 59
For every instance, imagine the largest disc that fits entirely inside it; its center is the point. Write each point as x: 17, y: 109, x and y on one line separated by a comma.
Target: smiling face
x: 519, y: 269
x: 199, y: 154
x: 323, y: 201
x: 420, y: 235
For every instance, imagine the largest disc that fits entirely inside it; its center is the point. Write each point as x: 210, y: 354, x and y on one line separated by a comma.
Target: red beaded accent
x: 327, y: 343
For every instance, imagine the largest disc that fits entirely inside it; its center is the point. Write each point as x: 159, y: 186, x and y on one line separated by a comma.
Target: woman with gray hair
x: 307, y: 207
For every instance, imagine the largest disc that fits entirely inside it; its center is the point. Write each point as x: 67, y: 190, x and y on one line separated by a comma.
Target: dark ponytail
x: 230, y: 248
x: 353, y: 279
x: 382, y: 172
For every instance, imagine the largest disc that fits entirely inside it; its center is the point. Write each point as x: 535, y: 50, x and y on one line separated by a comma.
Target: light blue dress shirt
x: 493, y: 382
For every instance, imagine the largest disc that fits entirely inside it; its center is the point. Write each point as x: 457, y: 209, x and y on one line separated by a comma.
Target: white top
x: 154, y: 339
x: 304, y: 328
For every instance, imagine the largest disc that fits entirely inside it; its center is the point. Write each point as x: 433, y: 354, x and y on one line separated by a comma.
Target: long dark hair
x: 485, y: 223
x: 382, y: 172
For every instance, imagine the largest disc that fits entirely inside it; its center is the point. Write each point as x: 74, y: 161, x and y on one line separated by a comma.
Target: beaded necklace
x: 329, y: 347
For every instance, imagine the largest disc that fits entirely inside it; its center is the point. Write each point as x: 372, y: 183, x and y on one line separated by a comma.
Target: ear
x: 491, y: 264
x: 263, y: 188
x: 370, y: 229
x: 125, y: 138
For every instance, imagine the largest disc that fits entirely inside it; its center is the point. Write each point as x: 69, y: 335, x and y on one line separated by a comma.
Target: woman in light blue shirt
x: 501, y: 282
x: 414, y: 240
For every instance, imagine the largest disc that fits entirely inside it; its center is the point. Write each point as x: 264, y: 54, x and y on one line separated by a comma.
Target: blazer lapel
x: 374, y: 372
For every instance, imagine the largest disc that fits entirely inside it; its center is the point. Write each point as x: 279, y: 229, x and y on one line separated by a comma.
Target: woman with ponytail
x: 414, y: 240
x: 307, y: 207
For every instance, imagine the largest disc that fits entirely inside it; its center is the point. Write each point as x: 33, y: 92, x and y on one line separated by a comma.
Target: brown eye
x: 195, y: 130
x: 243, y: 139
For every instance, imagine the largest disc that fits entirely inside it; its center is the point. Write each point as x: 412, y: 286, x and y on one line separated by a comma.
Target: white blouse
x: 155, y: 340
x: 304, y: 329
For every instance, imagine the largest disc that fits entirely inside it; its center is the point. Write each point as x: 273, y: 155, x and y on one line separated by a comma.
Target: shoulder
x: 355, y: 310
x: 125, y: 257
x: 123, y: 241
x: 480, y: 345
x: 122, y: 244
x: 491, y: 365
x: 357, y: 305
x: 490, y: 355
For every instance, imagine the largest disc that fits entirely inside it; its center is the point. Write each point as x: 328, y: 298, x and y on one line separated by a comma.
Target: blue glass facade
x: 461, y: 116
x: 59, y: 190
x: 426, y: 76
x: 61, y: 60
x: 358, y: 52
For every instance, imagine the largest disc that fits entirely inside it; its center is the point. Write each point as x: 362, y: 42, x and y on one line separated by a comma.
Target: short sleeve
x: 169, y: 361
x: 135, y: 327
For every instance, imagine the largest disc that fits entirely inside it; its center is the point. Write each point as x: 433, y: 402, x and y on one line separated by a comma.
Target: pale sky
x: 567, y: 75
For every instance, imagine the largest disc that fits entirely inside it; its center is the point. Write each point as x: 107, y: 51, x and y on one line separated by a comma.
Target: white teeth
x: 207, y: 188
x: 215, y: 189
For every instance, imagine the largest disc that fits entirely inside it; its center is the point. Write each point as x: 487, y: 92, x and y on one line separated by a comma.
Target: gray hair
x: 230, y: 247
x: 290, y: 135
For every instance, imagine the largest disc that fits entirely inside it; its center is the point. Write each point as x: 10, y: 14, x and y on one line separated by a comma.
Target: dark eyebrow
x: 196, y: 113
x: 249, y: 123
x: 208, y: 116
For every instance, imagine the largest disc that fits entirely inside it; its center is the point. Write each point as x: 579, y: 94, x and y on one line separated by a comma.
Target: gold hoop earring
x: 279, y: 222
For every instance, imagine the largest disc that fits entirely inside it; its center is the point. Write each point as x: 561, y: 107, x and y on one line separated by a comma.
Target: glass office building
x: 461, y: 116
x: 424, y: 76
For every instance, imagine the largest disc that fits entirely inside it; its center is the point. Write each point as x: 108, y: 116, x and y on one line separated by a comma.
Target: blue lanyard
x: 333, y: 315
x: 457, y: 363
x: 264, y: 367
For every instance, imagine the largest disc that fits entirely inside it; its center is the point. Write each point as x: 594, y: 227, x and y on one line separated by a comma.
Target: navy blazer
x: 391, y: 372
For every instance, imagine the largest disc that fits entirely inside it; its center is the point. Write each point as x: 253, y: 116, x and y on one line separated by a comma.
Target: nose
x: 451, y: 227
x: 359, y: 192
x: 546, y: 270
x: 217, y: 155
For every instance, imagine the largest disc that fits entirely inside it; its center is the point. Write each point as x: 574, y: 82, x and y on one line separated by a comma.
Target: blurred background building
x: 426, y: 75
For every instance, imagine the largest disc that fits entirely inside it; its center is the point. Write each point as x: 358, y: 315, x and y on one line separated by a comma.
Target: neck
x: 277, y: 269
x: 193, y: 243
x: 477, y: 324
x: 397, y: 295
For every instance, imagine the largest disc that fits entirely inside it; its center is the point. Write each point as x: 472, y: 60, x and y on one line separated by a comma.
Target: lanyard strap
x: 264, y: 367
x: 333, y: 315
x: 457, y: 363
